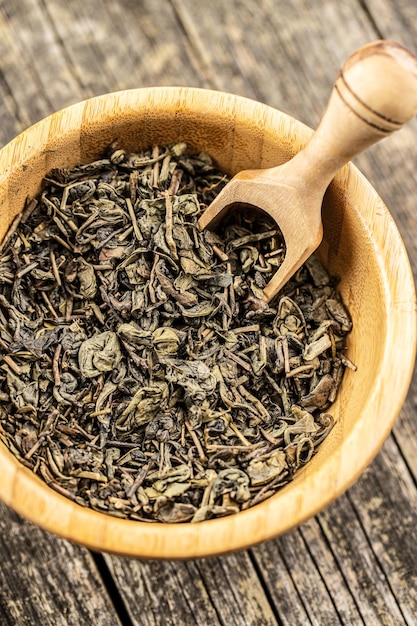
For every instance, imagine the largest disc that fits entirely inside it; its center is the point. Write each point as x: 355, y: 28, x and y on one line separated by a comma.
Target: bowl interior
x: 361, y: 245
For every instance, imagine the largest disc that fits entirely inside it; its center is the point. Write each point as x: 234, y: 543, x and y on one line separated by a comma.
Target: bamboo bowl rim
x: 32, y: 498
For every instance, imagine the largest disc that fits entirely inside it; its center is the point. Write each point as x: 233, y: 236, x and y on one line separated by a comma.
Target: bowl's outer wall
x: 361, y: 244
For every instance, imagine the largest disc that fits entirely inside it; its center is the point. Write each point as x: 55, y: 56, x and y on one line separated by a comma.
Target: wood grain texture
x: 211, y: 591
x: 351, y: 547
x: 253, y: 48
x: 390, y: 527
x: 297, y: 587
x: 44, y: 580
x: 273, y: 52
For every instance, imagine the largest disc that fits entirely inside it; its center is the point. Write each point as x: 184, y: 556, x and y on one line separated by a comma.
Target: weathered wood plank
x: 45, y: 580
x: 34, y: 68
x: 385, y: 500
x: 286, y: 55
x: 395, y: 19
x: 124, y: 45
x: 313, y: 590
x: 54, y: 54
x: 405, y: 429
x: 294, y: 581
x: 359, y: 565
x: 211, y: 591
x: 333, y: 578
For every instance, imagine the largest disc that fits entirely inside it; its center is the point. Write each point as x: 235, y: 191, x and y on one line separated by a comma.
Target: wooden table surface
x: 356, y: 562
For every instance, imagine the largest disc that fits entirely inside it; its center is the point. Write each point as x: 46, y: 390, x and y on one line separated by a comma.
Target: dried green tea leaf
x: 262, y: 471
x: 99, y: 354
x: 170, y: 512
x: 132, y: 333
x: 165, y: 341
x: 87, y: 279
x: 231, y: 481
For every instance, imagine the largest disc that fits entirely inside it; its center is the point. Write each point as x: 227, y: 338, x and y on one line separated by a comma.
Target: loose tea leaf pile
x: 142, y: 373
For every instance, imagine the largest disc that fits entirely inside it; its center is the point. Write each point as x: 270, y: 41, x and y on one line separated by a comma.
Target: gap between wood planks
x: 111, y: 588
x: 377, y: 560
x: 364, y: 6
x: 328, y: 544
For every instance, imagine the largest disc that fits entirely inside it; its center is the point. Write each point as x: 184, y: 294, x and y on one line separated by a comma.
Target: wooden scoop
x: 374, y: 94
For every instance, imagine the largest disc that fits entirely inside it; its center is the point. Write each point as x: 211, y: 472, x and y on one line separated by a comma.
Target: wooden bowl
x: 361, y: 244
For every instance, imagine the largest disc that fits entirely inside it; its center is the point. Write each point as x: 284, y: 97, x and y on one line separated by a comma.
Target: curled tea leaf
x: 317, y: 272
x: 21, y: 393
x: 87, y: 279
x: 316, y: 348
x: 262, y: 471
x: 318, y: 396
x: 101, y: 353
x: 165, y: 341
x: 231, y: 481
x: 170, y: 512
x: 202, y: 309
x: 338, y: 311
x: 145, y: 404
x: 132, y: 333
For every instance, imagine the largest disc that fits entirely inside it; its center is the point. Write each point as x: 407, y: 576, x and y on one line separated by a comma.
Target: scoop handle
x: 374, y: 94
